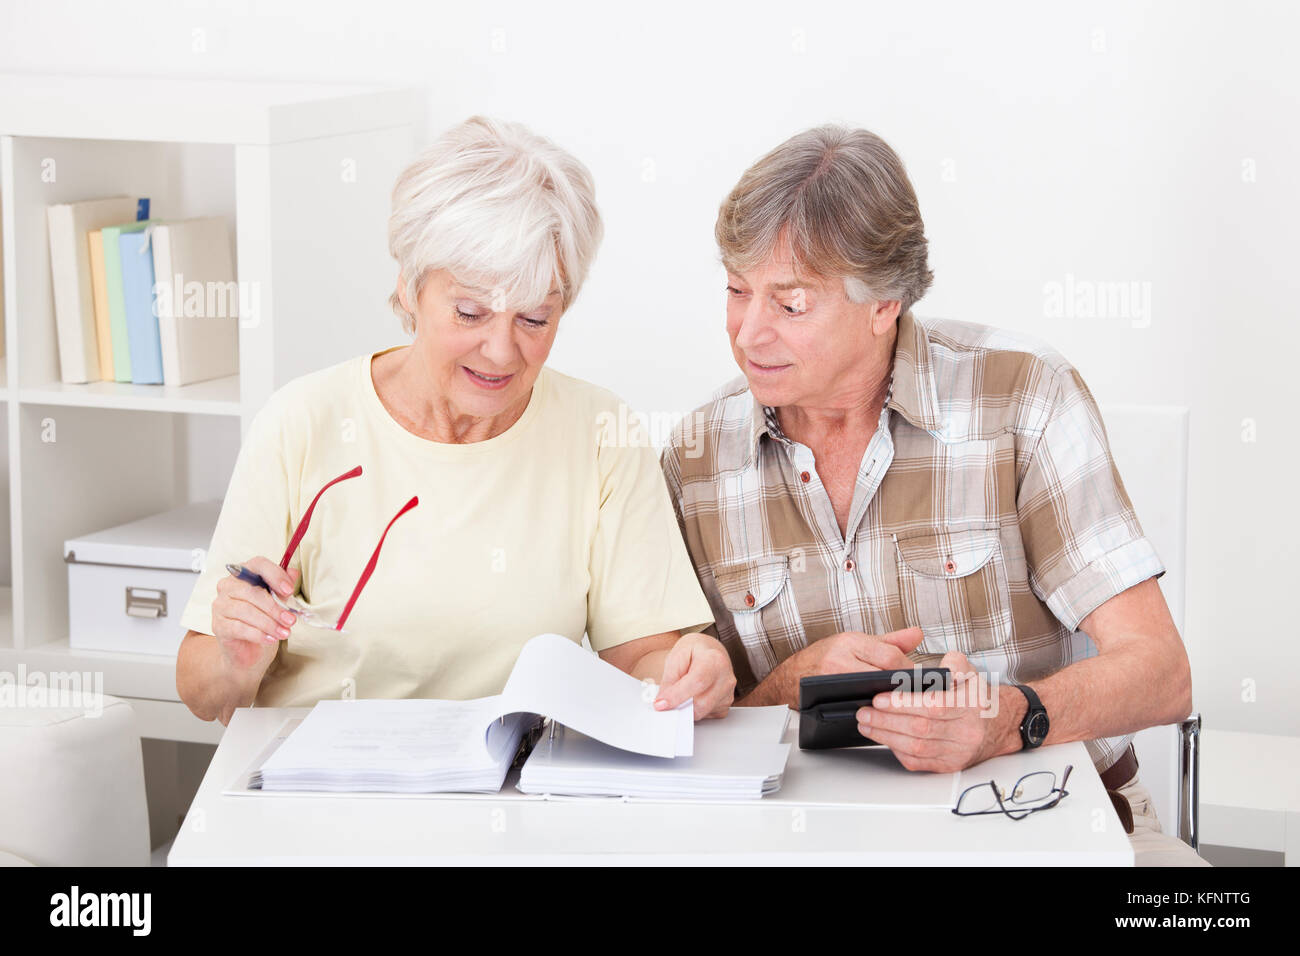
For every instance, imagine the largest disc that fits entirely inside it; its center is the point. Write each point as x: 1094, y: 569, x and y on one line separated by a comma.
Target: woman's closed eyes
x: 471, y: 314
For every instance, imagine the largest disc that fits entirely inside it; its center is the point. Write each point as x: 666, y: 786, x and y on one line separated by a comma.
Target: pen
x: 241, y: 572
x: 252, y: 577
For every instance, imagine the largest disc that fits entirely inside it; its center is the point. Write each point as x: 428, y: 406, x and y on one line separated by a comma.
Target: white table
x: 783, y: 829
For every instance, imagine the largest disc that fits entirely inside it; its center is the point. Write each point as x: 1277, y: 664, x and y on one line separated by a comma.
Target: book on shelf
x: 165, y: 301
x: 103, y: 331
x: 122, y: 371
x: 74, y: 311
x: 606, y: 739
x: 197, y: 300
x: 136, y: 263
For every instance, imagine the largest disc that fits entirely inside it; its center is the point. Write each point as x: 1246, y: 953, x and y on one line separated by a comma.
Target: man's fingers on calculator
x: 905, y: 640
x: 882, y: 655
x: 277, y: 577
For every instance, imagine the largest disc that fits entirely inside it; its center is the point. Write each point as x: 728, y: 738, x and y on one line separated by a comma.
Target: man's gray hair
x: 499, y: 207
x: 848, y: 210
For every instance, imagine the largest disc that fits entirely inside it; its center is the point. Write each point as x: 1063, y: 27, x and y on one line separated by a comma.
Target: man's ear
x: 884, y: 314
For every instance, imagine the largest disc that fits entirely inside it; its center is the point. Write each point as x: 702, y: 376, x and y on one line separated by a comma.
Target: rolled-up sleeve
x: 1082, y: 539
x: 642, y: 580
x: 254, y: 517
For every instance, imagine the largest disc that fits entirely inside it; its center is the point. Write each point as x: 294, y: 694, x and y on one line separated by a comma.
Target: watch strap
x: 1035, y: 707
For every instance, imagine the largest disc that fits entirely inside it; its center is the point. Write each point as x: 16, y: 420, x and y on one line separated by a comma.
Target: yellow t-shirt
x: 560, y: 524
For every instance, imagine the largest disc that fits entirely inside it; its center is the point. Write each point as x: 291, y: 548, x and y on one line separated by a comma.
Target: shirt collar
x: 912, y: 391
x: 915, y: 396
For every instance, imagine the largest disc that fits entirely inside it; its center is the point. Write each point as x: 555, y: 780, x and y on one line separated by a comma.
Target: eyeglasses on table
x: 1031, y: 793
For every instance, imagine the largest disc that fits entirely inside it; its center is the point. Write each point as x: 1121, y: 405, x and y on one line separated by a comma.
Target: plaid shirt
x: 987, y: 511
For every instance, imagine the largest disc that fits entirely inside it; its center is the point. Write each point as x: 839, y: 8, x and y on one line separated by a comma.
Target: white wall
x: 1152, y: 143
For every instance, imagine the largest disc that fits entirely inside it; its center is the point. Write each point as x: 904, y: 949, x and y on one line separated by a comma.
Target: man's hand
x: 936, y: 730
x: 847, y: 652
x: 850, y: 652
x: 697, y: 667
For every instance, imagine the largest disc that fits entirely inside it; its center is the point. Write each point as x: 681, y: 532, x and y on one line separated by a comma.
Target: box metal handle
x: 146, y: 602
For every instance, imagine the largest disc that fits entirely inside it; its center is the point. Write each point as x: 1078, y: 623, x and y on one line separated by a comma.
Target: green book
x: 116, y: 298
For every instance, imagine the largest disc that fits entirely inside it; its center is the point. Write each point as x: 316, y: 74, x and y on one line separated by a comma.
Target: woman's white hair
x: 498, y: 207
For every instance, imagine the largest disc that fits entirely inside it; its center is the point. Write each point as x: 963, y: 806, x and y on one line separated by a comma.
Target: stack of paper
x: 427, y: 746
x: 397, y: 746
x: 739, y: 757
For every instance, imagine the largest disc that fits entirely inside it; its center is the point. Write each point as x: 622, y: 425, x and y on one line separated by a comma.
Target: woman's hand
x: 697, y: 666
x: 246, y: 619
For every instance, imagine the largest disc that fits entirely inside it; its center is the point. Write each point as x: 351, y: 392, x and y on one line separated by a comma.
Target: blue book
x: 143, y: 340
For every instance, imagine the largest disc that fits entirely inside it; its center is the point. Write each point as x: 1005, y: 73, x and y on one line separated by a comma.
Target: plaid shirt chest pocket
x: 759, y: 596
x: 952, y: 583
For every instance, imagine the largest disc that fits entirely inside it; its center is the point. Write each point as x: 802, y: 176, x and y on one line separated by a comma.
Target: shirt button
x: 849, y: 565
x: 950, y: 567
x: 749, y: 600
x: 805, y: 477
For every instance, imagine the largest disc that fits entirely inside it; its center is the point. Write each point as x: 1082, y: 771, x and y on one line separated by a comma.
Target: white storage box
x: 127, y: 586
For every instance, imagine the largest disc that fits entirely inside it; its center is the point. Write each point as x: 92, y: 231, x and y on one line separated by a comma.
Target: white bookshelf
x: 303, y: 174
x: 219, y: 396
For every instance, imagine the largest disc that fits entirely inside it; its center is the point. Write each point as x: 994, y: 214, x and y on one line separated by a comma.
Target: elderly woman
x: 447, y: 500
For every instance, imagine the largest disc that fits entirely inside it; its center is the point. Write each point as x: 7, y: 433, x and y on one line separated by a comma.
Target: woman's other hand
x: 697, y: 666
x: 247, y: 620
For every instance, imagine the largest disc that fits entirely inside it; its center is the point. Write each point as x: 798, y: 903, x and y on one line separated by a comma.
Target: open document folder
x: 430, y: 746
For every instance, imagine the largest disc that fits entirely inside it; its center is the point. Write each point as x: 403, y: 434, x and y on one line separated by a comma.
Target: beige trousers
x: 1151, y: 845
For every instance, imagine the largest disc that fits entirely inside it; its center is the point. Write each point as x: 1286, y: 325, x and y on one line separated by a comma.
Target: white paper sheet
x: 559, y: 679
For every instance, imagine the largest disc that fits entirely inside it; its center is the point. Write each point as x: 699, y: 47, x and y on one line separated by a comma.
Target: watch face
x: 1037, y: 729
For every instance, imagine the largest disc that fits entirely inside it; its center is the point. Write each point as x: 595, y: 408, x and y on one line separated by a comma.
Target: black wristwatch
x: 1033, y: 729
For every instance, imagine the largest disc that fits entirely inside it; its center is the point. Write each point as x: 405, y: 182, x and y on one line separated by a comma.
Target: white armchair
x: 72, y: 785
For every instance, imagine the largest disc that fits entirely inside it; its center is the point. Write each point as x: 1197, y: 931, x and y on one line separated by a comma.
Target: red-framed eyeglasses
x: 306, y: 614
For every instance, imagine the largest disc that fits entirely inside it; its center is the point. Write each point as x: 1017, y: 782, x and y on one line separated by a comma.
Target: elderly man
x: 876, y: 492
